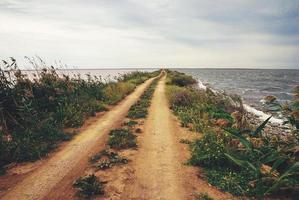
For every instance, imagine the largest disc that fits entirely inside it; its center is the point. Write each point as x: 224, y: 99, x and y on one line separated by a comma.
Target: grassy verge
x: 140, y: 108
x: 35, y: 111
x: 236, y: 156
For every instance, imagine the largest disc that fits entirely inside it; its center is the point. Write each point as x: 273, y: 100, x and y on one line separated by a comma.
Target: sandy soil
x: 157, y: 169
x: 53, y: 179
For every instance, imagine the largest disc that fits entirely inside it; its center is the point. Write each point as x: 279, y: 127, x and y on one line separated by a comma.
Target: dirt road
x: 60, y: 167
x: 159, y: 170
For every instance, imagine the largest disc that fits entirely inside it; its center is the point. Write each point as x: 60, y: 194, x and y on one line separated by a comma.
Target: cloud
x: 133, y: 33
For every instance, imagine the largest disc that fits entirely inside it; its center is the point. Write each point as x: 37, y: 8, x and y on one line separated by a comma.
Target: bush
x: 140, y: 108
x: 115, y: 92
x: 131, y: 123
x: 181, y: 79
x: 107, y: 159
x: 203, y: 196
x: 121, y: 139
x: 209, y: 150
x: 229, y: 180
x: 89, y: 185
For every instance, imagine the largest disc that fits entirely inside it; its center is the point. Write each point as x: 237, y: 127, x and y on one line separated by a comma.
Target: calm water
x: 251, y: 84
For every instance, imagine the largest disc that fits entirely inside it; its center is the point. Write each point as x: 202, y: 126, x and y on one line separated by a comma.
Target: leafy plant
x: 140, y: 108
x: 121, y: 139
x: 209, y: 150
x: 89, y: 185
x: 255, y: 160
x: 107, y: 159
x: 203, y: 196
x: 131, y: 123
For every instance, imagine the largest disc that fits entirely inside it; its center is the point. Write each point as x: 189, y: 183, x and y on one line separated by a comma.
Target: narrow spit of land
x: 66, y: 165
x: 158, y: 169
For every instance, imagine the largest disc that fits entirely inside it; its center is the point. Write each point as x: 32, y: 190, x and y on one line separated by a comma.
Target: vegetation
x: 122, y: 139
x: 131, y: 123
x: 107, y: 159
x: 203, y: 196
x: 140, y: 108
x: 89, y: 186
x: 236, y: 157
x: 35, y: 110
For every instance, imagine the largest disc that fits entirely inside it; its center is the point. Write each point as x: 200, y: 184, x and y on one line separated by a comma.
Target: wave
x: 260, y: 114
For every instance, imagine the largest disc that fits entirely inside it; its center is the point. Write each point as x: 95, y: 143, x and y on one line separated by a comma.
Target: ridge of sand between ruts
x: 159, y: 170
x: 40, y: 182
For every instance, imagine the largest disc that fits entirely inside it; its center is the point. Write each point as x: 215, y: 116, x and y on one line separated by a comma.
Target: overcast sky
x: 152, y: 33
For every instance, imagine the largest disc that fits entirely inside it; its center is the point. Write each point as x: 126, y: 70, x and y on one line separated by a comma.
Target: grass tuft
x: 122, y: 139
x: 89, y: 186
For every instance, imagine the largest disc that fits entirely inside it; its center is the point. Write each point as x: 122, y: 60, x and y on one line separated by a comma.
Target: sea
x: 251, y: 84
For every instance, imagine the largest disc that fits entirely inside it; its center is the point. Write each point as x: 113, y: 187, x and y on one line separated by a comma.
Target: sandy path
x: 73, y: 156
x: 159, y: 170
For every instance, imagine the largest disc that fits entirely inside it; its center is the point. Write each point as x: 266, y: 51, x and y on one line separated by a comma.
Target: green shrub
x: 203, y: 196
x: 209, y: 150
x: 107, y: 159
x: 89, y: 186
x: 229, y: 180
x: 121, y: 139
x: 115, y: 92
x: 140, y: 108
x: 131, y: 123
x: 181, y: 79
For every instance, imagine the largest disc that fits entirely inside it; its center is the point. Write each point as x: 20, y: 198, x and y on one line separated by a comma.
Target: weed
x: 121, y: 139
x: 131, y: 123
x: 89, y: 186
x: 209, y: 150
x: 228, y: 180
x: 203, y: 196
x: 140, y: 108
x: 185, y: 141
x: 181, y: 79
x: 107, y: 159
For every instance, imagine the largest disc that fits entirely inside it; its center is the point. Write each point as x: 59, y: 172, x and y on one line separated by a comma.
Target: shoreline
x: 256, y: 117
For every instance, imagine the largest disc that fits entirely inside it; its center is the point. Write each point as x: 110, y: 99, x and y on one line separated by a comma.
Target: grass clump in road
x: 140, y: 108
x: 203, y: 196
x: 89, y: 186
x: 131, y: 123
x: 107, y: 159
x: 122, y: 139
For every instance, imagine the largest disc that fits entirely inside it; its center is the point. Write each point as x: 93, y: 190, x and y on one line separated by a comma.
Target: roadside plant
x: 140, y: 108
x: 122, y: 139
x: 257, y: 161
x: 203, y: 196
x: 89, y: 186
x: 209, y: 150
x: 107, y: 159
